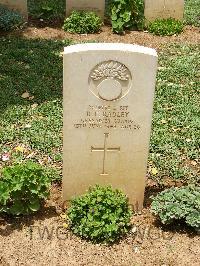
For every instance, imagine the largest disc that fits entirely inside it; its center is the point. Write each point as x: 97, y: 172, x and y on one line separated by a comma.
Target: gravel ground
x: 43, y: 239
x: 190, y: 35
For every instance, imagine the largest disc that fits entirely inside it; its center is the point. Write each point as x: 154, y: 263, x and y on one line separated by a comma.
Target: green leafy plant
x: 165, y: 27
x: 101, y: 215
x: 49, y: 10
x: 23, y: 187
x: 82, y: 22
x: 178, y: 204
x: 9, y: 19
x: 127, y: 14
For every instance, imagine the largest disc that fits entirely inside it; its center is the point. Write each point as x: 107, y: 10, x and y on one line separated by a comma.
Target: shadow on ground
x: 33, y: 66
x: 10, y: 224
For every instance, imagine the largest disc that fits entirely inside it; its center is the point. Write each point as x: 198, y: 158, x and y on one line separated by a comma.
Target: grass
x: 35, y: 125
x: 192, y: 12
x: 175, y: 140
x: 32, y: 127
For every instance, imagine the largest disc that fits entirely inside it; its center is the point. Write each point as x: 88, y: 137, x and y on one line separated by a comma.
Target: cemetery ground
x: 31, y: 128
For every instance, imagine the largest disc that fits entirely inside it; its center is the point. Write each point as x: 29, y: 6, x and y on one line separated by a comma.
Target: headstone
x: 108, y: 102
x: 98, y: 6
x: 18, y: 5
x: 163, y: 9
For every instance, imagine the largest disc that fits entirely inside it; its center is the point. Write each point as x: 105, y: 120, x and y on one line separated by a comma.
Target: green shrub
x: 127, y: 14
x: 165, y: 27
x: 82, y: 22
x: 23, y: 187
x: 101, y: 215
x: 9, y: 19
x: 178, y: 204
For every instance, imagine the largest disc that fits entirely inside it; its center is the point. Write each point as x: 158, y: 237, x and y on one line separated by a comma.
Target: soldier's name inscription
x: 107, y: 117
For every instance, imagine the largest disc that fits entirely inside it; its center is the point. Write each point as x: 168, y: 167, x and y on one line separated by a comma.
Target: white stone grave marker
x: 163, y: 9
x: 108, y: 103
x: 98, y: 6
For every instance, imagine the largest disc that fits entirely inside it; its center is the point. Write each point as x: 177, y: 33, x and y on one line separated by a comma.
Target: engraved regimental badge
x: 110, y: 80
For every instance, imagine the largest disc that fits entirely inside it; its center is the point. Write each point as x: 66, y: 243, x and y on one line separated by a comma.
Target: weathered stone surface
x: 19, y: 5
x: 108, y: 102
x: 164, y: 9
x: 97, y: 6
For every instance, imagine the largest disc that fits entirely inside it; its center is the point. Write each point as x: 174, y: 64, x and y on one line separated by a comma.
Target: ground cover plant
x: 178, y: 204
x: 174, y: 146
x: 23, y: 187
x: 9, y: 19
x: 165, y: 27
x: 47, y: 9
x: 192, y: 12
x: 82, y: 22
x: 31, y: 107
x: 101, y: 215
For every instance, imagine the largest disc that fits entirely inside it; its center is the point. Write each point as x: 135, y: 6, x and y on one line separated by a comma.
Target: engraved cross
x: 105, y: 149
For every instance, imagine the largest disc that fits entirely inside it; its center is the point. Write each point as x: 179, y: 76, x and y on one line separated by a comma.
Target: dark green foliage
x: 9, y: 19
x: 22, y: 188
x: 165, y: 27
x: 178, y: 204
x: 127, y: 14
x: 82, y: 22
x: 192, y: 12
x: 101, y: 215
x: 47, y: 9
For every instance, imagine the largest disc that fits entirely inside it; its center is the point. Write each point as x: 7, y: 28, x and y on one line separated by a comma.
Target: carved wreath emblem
x: 110, y: 80
x: 112, y: 70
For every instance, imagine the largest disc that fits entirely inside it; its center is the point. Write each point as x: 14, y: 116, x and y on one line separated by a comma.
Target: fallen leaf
x: 31, y: 97
x: 63, y: 216
x: 154, y: 171
x: 65, y: 225
x: 25, y: 95
x: 30, y: 155
x: 20, y: 148
x: 136, y: 250
x: 27, y: 126
x: 34, y: 105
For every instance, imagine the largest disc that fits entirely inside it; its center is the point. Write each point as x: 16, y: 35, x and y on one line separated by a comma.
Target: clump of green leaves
x: 9, y: 19
x: 101, y: 215
x: 178, y: 204
x: 82, y: 22
x: 23, y: 187
x: 49, y: 10
x: 165, y: 27
x: 127, y: 14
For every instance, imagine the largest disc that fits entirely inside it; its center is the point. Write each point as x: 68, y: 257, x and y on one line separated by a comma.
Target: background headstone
x: 162, y: 9
x: 108, y: 102
x: 18, y: 5
x: 98, y: 6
